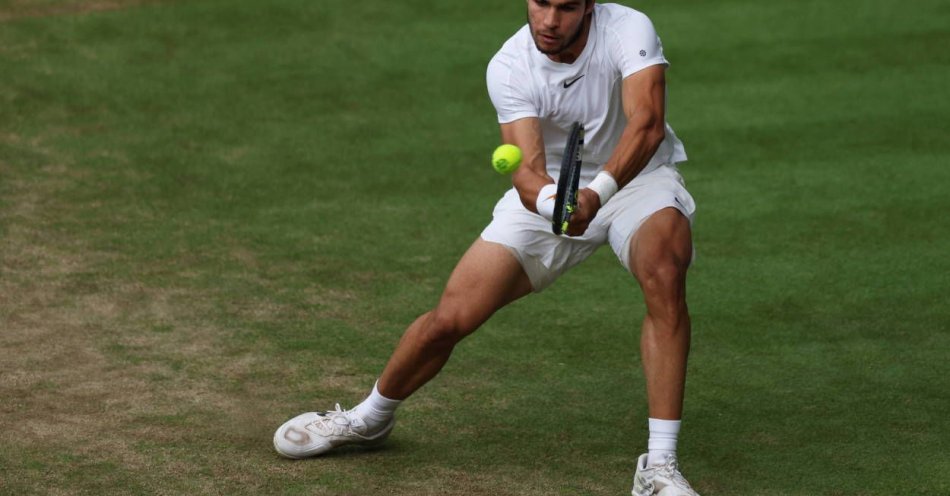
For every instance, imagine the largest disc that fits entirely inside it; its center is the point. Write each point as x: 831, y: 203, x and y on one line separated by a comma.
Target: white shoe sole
x: 376, y: 440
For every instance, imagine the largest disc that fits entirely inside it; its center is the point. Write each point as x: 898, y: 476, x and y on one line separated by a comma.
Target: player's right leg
x: 487, y: 278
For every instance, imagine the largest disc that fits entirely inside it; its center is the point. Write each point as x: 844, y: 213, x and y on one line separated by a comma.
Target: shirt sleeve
x: 635, y: 44
x: 512, y: 100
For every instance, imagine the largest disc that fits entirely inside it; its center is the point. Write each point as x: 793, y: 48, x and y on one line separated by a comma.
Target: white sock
x: 376, y: 410
x: 662, y: 440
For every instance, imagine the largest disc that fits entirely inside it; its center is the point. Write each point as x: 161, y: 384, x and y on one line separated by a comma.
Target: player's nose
x: 551, y: 19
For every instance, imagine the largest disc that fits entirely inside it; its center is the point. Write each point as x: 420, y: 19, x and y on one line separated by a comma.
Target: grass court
x: 215, y: 215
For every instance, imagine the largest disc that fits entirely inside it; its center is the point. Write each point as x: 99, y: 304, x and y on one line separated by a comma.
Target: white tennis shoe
x: 315, y: 433
x: 660, y: 480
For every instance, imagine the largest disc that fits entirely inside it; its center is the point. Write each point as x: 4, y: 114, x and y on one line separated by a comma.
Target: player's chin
x: 548, y: 46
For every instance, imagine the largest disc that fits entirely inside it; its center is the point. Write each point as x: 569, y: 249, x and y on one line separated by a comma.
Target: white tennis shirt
x: 523, y: 82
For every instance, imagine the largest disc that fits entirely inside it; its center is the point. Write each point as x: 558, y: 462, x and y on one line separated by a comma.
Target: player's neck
x: 571, y: 53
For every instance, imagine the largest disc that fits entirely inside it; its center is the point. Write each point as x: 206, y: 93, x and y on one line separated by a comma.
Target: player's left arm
x: 644, y: 104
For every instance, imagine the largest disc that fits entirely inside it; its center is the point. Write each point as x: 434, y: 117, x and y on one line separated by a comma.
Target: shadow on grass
x: 345, y: 452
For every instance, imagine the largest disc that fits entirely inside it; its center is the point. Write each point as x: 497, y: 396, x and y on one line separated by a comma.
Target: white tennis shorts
x: 545, y: 256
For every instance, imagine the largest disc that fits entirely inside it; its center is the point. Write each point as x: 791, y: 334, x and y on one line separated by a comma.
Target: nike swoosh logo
x: 569, y: 84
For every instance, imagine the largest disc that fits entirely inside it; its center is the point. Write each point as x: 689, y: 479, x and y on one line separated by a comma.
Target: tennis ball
x: 506, y: 159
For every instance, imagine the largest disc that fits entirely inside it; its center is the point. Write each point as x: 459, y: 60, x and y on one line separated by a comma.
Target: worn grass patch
x: 18, y: 9
x: 215, y: 215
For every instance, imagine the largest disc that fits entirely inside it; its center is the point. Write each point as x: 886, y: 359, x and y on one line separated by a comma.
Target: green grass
x: 215, y: 215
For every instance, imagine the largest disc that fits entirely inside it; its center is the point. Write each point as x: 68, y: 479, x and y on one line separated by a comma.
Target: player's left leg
x: 660, y: 253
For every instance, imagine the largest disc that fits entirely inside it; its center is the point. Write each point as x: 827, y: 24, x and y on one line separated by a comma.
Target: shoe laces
x: 642, y: 488
x: 340, y: 422
x: 643, y: 483
x: 671, y: 471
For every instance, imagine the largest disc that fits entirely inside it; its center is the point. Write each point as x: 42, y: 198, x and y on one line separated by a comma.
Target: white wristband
x: 545, y: 201
x: 604, y: 185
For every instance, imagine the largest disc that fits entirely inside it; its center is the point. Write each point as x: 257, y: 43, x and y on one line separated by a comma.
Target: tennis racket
x: 566, y: 200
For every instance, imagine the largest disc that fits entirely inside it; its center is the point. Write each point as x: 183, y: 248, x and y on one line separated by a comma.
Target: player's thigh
x: 663, y: 242
x: 487, y: 278
x: 640, y: 210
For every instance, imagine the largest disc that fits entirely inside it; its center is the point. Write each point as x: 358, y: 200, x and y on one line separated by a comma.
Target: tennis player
x: 601, y: 65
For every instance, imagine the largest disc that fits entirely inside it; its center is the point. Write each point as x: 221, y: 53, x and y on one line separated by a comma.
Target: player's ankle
x: 658, y: 457
x: 662, y: 443
x: 376, y: 410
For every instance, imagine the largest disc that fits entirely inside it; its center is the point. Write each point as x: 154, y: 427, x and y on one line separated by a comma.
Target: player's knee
x: 664, y: 289
x: 447, y: 326
x: 662, y: 278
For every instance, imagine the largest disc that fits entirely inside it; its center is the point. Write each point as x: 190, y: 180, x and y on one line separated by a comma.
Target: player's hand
x: 588, y: 204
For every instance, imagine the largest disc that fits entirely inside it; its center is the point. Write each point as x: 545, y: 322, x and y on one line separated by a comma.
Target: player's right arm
x: 532, y: 175
x: 517, y: 106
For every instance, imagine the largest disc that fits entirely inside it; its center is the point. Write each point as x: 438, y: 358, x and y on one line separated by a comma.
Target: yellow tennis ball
x: 506, y: 158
